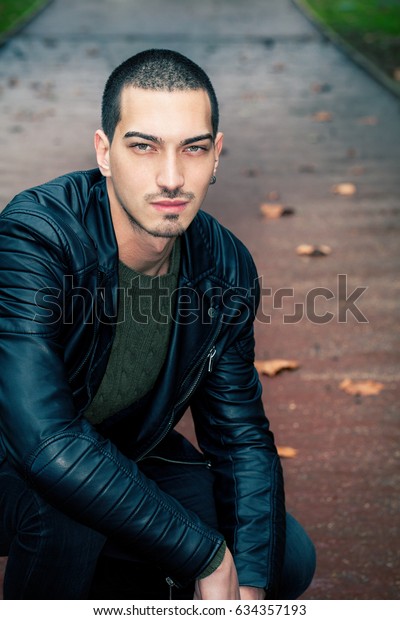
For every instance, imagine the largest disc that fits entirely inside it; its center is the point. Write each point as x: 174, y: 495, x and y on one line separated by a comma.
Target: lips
x: 170, y: 206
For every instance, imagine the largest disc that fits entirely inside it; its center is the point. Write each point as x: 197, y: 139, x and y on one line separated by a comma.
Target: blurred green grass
x: 370, y: 26
x: 15, y: 12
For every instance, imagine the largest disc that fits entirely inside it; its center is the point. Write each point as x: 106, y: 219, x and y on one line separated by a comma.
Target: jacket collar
x: 98, y: 218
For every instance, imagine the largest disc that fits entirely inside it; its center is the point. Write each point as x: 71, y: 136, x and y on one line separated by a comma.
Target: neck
x: 146, y: 254
x: 137, y: 248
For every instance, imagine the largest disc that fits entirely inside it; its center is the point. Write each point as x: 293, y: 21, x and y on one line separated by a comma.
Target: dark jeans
x: 51, y: 556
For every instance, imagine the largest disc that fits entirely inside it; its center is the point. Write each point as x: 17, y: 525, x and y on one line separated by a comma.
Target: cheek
x: 202, y: 175
x: 128, y: 174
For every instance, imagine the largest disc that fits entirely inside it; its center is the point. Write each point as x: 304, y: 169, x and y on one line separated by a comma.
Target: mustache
x: 170, y: 195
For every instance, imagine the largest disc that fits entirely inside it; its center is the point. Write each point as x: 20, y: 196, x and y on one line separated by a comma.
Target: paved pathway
x: 273, y: 72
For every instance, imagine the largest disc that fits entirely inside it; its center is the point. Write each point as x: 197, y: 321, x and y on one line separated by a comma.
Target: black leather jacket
x: 58, y: 300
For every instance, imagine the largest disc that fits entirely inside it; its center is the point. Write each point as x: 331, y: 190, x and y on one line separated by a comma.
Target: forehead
x: 159, y: 112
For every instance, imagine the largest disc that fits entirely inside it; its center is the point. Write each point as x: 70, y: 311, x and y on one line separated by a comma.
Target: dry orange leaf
x: 273, y: 367
x: 306, y: 249
x: 368, y: 120
x: 351, y: 153
x: 322, y: 117
x: 274, y: 211
x: 344, y: 189
x: 320, y: 88
x: 306, y: 168
x: 251, y: 172
x: 361, y: 388
x: 287, y: 452
x: 273, y: 195
x: 357, y: 170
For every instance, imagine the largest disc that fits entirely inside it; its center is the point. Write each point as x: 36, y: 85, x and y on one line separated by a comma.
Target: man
x: 122, y: 304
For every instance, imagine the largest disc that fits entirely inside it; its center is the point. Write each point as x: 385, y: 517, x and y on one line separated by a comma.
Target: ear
x: 219, y: 139
x: 102, y: 147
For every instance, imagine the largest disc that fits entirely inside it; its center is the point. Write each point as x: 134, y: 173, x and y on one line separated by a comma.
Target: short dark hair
x: 154, y: 69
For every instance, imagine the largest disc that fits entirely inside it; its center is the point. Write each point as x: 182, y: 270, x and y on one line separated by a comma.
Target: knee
x: 20, y: 513
x: 35, y: 527
x: 299, y: 561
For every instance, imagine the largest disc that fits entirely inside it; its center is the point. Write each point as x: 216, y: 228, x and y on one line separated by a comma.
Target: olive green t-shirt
x: 141, y: 340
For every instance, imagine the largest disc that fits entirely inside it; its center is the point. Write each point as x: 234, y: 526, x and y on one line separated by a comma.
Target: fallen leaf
x: 286, y: 452
x: 252, y: 96
x: 320, y: 88
x: 251, y: 172
x: 368, y: 120
x: 396, y: 74
x: 361, y: 388
x: 357, y: 170
x: 44, y: 90
x: 322, y: 117
x: 306, y: 168
x: 16, y: 129
x: 93, y: 52
x: 278, y: 67
x: 344, y: 189
x: 306, y: 249
x: 273, y: 211
x: 273, y: 367
x: 273, y: 195
x: 30, y: 115
x: 351, y: 153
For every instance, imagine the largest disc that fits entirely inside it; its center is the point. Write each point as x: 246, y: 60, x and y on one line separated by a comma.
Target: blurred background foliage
x: 371, y: 26
x: 13, y: 12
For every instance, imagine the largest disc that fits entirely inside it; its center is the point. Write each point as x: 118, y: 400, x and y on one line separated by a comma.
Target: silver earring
x: 213, y: 179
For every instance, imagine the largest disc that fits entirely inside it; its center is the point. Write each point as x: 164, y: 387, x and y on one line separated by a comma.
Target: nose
x: 170, y: 174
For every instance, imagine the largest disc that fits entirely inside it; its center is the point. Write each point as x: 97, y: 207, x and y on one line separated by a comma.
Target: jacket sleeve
x: 233, y: 431
x: 63, y: 456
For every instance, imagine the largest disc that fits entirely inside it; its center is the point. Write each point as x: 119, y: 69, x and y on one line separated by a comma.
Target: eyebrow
x: 150, y: 138
x: 204, y: 136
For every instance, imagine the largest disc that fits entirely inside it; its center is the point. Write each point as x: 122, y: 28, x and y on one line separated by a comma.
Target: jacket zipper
x: 176, y: 461
x: 171, y: 585
x: 210, y: 356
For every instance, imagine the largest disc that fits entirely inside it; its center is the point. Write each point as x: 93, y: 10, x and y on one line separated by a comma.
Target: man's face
x: 161, y: 159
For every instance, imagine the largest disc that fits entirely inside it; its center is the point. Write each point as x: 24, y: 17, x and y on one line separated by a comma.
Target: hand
x: 221, y: 585
x: 248, y: 593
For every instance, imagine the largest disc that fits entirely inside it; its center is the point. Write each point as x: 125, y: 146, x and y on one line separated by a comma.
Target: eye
x: 141, y: 147
x: 195, y: 148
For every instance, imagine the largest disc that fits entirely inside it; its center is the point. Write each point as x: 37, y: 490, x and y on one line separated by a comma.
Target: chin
x: 170, y: 227
x: 167, y: 233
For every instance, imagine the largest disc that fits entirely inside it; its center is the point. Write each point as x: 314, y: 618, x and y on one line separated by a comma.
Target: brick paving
x: 275, y: 75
